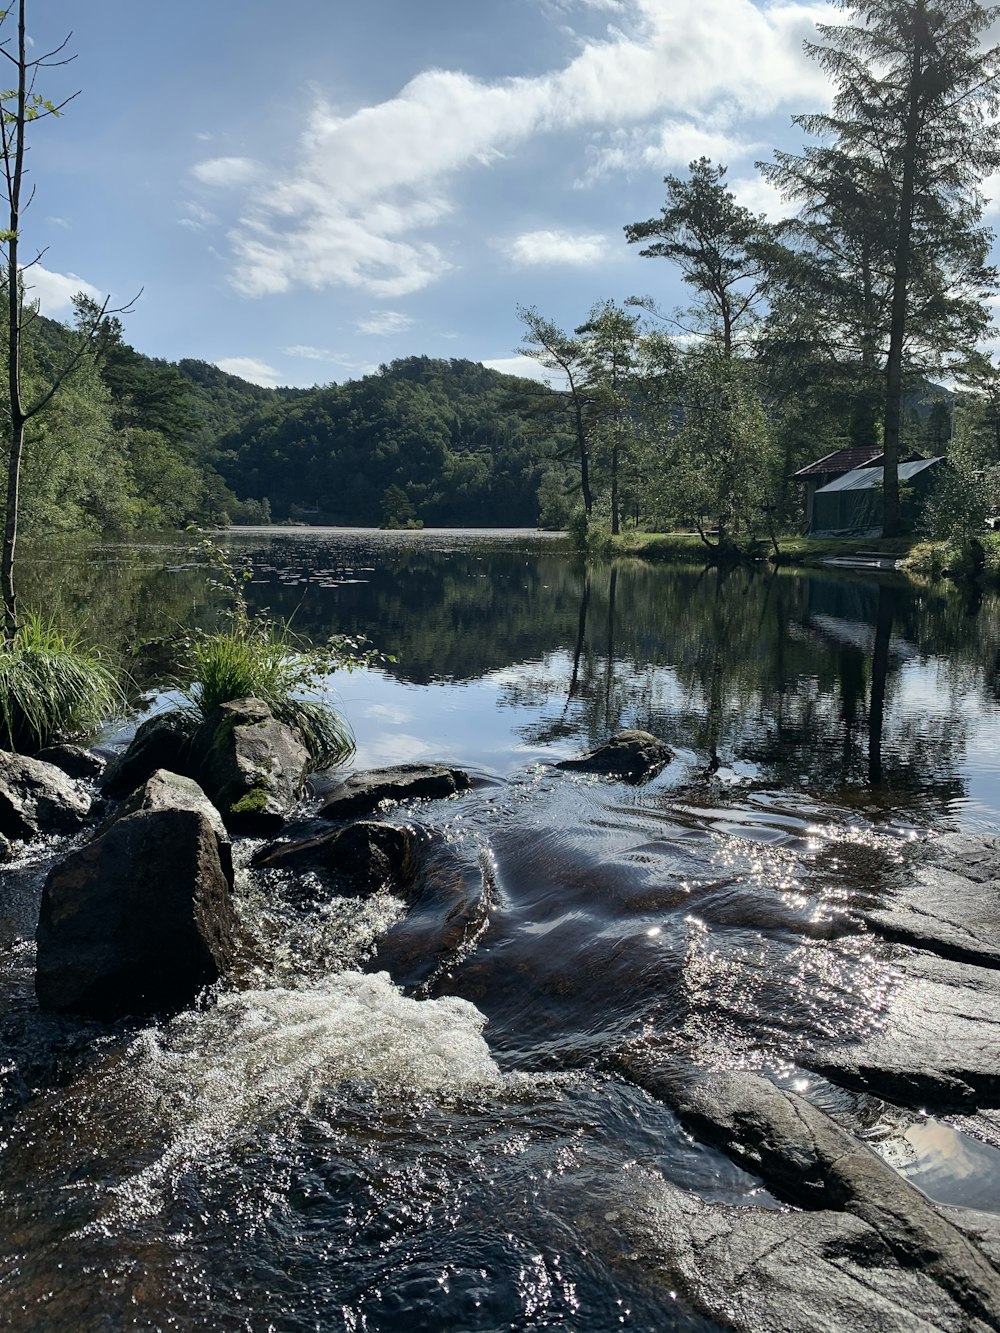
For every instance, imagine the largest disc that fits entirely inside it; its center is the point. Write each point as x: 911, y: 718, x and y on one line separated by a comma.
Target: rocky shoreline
x: 137, y: 918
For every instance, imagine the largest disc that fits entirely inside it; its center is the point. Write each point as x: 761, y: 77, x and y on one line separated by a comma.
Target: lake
x: 317, y: 1146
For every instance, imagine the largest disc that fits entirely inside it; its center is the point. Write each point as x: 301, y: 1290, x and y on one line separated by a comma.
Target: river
x: 319, y: 1146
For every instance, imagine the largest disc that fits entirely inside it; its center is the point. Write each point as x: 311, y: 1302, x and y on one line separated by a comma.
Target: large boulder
x: 253, y: 766
x: 174, y: 791
x: 162, y: 741
x: 632, y: 756
x: 36, y: 798
x: 364, y: 792
x: 363, y: 858
x: 139, y: 920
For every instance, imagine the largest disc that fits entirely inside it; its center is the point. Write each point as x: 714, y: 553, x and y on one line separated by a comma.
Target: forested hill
x: 131, y: 441
x: 443, y: 442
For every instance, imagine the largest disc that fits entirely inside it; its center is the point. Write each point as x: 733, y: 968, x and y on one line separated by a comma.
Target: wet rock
x: 140, y: 919
x: 806, y: 1158
x: 633, y: 756
x: 6, y: 850
x: 253, y: 766
x: 364, y: 857
x: 173, y: 791
x: 36, y: 798
x: 74, y: 760
x: 938, y: 1044
x: 364, y: 792
x: 752, y: 1269
x: 947, y: 913
x: 451, y: 901
x: 162, y: 741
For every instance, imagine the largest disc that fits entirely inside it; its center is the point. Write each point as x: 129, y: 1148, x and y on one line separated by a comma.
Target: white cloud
x: 760, y: 196
x: 672, y: 144
x: 54, y: 292
x: 249, y: 368
x: 356, y: 203
x: 226, y: 172
x: 196, y: 217
x: 384, y: 322
x: 556, y: 247
x: 310, y: 353
x: 524, y: 366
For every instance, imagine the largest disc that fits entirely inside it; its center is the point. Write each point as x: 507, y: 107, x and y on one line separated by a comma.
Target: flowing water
x: 389, y: 1120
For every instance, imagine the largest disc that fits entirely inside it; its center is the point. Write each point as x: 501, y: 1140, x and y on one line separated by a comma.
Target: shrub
x: 52, y: 686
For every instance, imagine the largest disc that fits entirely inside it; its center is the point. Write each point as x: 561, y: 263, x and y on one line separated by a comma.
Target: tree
x: 610, y: 362
x: 722, y: 461
x: 719, y: 245
x: 557, y: 351
x: 20, y: 107
x: 891, y: 191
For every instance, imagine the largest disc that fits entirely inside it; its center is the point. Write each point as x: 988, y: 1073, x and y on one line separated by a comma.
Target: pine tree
x: 891, y: 207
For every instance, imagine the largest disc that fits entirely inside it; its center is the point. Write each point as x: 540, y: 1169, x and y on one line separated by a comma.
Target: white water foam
x: 209, y: 1080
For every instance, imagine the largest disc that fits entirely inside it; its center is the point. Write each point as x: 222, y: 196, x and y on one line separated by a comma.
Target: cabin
x: 851, y: 505
x: 831, y: 466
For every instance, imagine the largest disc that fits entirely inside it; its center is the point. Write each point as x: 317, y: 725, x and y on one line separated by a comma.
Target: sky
x: 305, y: 189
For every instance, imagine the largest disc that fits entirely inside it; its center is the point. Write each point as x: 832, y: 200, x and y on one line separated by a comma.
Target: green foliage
x: 457, y: 439
x: 52, y: 686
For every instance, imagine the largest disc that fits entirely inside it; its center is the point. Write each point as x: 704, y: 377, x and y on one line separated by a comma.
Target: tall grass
x: 52, y: 686
x: 260, y: 660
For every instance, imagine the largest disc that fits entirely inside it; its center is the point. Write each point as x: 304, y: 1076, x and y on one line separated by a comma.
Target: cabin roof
x: 841, y: 460
x: 865, y: 478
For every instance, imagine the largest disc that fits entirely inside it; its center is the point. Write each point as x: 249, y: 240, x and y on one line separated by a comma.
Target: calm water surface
x: 392, y: 1122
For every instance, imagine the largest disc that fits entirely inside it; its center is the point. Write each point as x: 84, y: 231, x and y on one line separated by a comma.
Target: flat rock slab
x: 37, y: 798
x: 632, y: 756
x: 805, y: 1157
x: 363, y: 793
x: 939, y: 1043
x: 752, y: 1269
x: 948, y: 913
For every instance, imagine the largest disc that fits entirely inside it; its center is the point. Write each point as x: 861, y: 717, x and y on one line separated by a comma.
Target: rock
x: 809, y: 1160
x: 938, y: 1044
x: 162, y: 741
x: 753, y: 1269
x: 173, y: 791
x: 140, y: 919
x: 949, y: 914
x: 36, y: 797
x: 253, y: 766
x: 451, y: 901
x: 362, y: 793
x: 6, y: 850
x: 633, y: 756
x: 73, y: 760
x: 364, y: 857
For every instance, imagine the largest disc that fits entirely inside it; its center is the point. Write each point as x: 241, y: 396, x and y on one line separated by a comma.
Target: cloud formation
x: 556, y: 247
x: 384, y: 322
x: 356, y: 205
x: 54, y: 292
x: 250, y: 368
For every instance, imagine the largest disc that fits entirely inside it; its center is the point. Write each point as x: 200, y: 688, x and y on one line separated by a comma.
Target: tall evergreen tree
x: 891, y: 207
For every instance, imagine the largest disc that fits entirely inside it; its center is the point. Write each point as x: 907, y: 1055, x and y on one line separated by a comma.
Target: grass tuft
x: 52, y: 687
x: 260, y: 660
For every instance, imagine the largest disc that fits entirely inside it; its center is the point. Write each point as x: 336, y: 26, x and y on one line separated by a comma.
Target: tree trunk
x: 615, y: 526
x: 900, y: 285
x: 14, y: 161
x: 581, y: 439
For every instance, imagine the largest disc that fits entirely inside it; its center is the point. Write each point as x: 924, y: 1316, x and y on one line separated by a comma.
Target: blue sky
x: 304, y: 189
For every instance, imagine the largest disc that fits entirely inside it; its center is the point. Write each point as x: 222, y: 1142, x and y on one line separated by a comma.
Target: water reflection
x: 860, y: 688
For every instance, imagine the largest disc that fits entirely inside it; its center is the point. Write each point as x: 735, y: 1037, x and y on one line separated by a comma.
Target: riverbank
x: 913, y: 556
